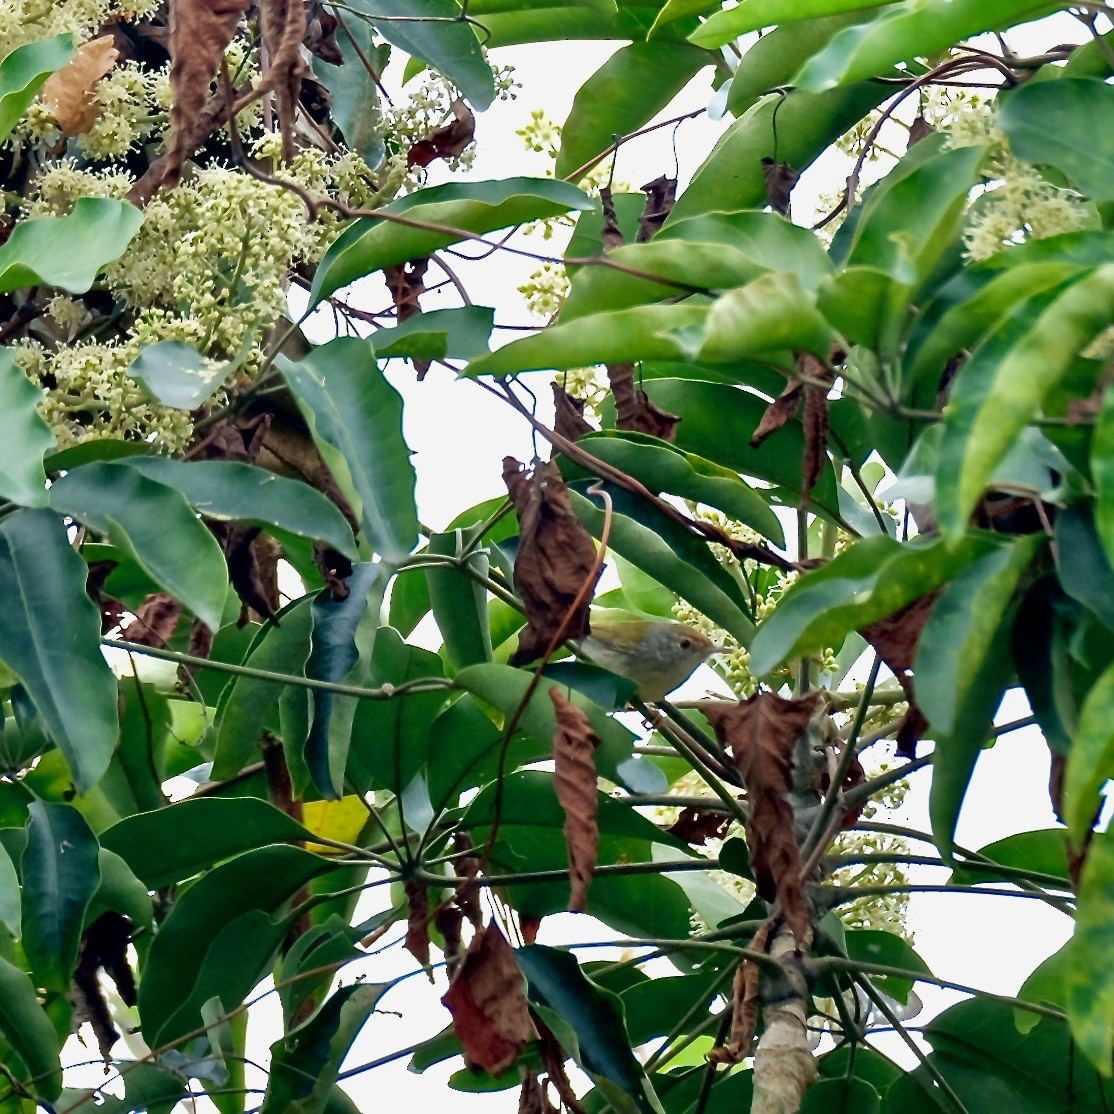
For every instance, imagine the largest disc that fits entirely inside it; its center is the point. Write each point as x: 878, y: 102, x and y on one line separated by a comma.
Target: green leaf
x: 459, y: 603
x: 662, y: 467
x: 678, y: 9
x: 1084, y: 571
x: 872, y: 579
x: 623, y: 336
x: 155, y: 525
x: 1042, y: 851
x: 890, y: 950
x: 962, y: 666
x: 355, y: 417
x: 438, y: 334
x: 178, y: 375
x: 1091, y: 758
x: 259, y: 880
x: 176, y: 842
x: 24, y: 71
x: 355, y: 95
x: 9, y: 894
x: 228, y: 491
x: 299, y: 976
x: 24, y: 437
x: 435, y: 32
x: 120, y: 891
x: 370, y: 244
x: 305, y: 1063
x: 753, y: 15
x: 628, y: 91
x: 595, y: 1016
x: 1049, y: 123
x: 1102, y: 472
x: 147, y: 1087
x: 60, y: 874
x: 69, y: 251
x: 1001, y: 388
x: 50, y: 634
x: 1090, y: 973
x: 29, y: 1033
x: 1047, y: 985
x: 913, y: 29
x: 831, y: 1095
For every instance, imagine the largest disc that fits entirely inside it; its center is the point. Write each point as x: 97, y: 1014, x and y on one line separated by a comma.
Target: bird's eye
x: 686, y: 643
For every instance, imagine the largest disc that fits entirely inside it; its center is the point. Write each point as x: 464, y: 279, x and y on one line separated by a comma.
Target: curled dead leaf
x: 104, y: 946
x: 697, y: 825
x: 780, y: 180
x: 661, y: 193
x: 154, y: 622
x: 487, y: 999
x: 568, y: 420
x: 283, y: 23
x: 417, y: 922
x: 556, y: 557
x: 70, y: 93
x: 446, y: 142
x: 761, y: 733
x: 611, y: 236
x: 744, y: 1008
x: 634, y: 410
x: 574, y: 749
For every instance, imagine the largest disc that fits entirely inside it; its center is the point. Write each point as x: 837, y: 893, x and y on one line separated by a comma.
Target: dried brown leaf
x: 155, y: 621
x: 491, y: 1018
x: 283, y: 23
x: 611, y: 236
x: 556, y: 557
x: 258, y: 593
x: 199, y: 32
x: 70, y: 93
x: 779, y: 413
x: 417, y: 922
x: 919, y: 129
x: 761, y: 733
x: 533, y: 1096
x: 744, y: 1008
x: 780, y: 180
x: 529, y: 927
x: 814, y: 418
x: 661, y: 193
x: 553, y: 1059
x: 467, y: 896
x: 447, y: 142
x: 574, y: 778
x: 569, y: 420
x: 634, y: 409
x: 697, y: 825
x: 104, y: 946
x: 449, y: 920
x: 320, y: 39
x: 335, y: 569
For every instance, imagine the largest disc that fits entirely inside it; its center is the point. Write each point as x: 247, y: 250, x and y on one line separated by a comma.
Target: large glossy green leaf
x: 1084, y: 572
x: 753, y: 15
x: 1091, y: 758
x: 1102, y: 472
x: 829, y: 1095
x: 60, y: 875
x: 371, y: 244
x: 631, y: 87
x: 459, y: 603
x: 426, y: 29
x: 662, y: 467
x: 732, y: 175
x: 154, y: 524
x: 355, y: 416
x: 228, y: 491
x: 438, y: 334
x: 50, y: 636
x: 962, y: 667
x: 24, y: 437
x: 1044, y: 852
x: 1090, y: 973
x: 29, y: 1033
x: 24, y: 71
x: 909, y: 30
x: 1001, y: 389
x: 68, y: 251
x: 890, y: 950
x: 354, y: 92
x: 872, y: 579
x: 305, y: 1063
x: 260, y: 880
x: 1047, y: 985
x: 1050, y: 123
x: 178, y: 375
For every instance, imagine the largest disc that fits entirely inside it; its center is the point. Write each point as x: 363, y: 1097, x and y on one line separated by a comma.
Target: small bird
x: 657, y: 655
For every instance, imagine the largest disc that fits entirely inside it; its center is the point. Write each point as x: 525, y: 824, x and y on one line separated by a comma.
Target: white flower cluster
x: 545, y: 290
x: 584, y: 384
x: 28, y: 21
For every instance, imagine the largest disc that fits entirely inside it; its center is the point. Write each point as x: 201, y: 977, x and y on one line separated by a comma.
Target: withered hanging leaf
x: 104, y: 945
x: 467, y: 896
x: 780, y: 180
x: 155, y: 621
x: 334, y: 568
x: 199, y: 32
x: 815, y: 420
x: 697, y: 825
x: 661, y: 193
x: 111, y: 609
x: 70, y: 92
x: 533, y: 1096
x: 555, y: 558
x: 283, y: 23
x: 611, y: 235
x: 919, y: 129
x: 634, y: 409
x: 257, y: 590
x: 529, y: 927
x: 446, y: 142
x: 779, y: 413
x: 744, y: 1008
x: 553, y: 1058
x: 761, y: 733
x: 449, y: 920
x: 417, y: 922
x: 569, y: 420
x: 574, y: 779
x: 320, y: 39
x: 490, y: 1016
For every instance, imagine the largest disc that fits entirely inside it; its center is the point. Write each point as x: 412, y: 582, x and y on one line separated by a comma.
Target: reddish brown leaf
x: 533, y: 1096
x: 553, y: 1059
x: 660, y: 195
x: 199, y: 32
x: 320, y: 39
x: 490, y: 1016
x: 155, y: 621
x: 70, y: 92
x: 779, y: 413
x: 449, y: 920
x: 529, y: 927
x: 406, y: 284
x: 611, y: 236
x: 417, y: 922
x: 698, y: 825
x: 568, y: 412
x: 574, y: 747
x: 445, y: 142
x: 761, y: 733
x: 744, y: 1008
x: 780, y: 180
x: 258, y: 593
x: 283, y: 23
x: 634, y: 410
x: 919, y: 129
x: 467, y: 896
x: 815, y: 420
x: 556, y: 557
